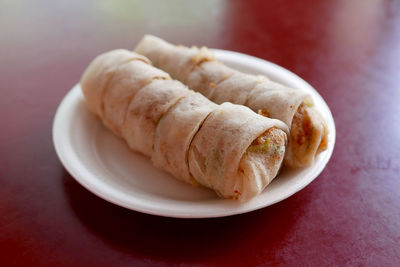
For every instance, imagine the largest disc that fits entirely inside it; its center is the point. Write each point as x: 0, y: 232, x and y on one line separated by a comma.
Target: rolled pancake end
x: 308, y: 137
x: 217, y: 150
x: 274, y: 100
x: 261, y: 162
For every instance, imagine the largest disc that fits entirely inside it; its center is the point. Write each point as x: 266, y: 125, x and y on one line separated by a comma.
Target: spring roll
x: 227, y: 147
x: 222, y: 84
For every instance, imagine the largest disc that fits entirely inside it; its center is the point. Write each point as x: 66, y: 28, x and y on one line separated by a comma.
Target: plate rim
x: 81, y: 174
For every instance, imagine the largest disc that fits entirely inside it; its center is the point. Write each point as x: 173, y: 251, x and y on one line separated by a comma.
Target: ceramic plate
x: 103, y: 164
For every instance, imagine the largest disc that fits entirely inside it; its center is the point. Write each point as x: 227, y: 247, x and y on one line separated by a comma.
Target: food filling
x: 261, y: 162
x: 272, y: 141
x: 308, y: 136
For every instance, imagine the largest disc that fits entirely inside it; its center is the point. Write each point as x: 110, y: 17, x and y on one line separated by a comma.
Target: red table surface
x: 348, y: 50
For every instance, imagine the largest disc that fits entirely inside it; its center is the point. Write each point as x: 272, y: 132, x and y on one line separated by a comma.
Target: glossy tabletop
x: 348, y: 50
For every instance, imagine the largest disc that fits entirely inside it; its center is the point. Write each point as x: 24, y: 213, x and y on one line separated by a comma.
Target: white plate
x: 104, y: 165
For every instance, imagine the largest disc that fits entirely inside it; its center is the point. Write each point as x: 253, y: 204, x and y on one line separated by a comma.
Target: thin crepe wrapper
x: 97, y: 75
x: 175, y: 132
x: 220, y: 144
x: 128, y: 79
x: 177, y: 61
x: 205, y: 76
x: 146, y: 110
x: 236, y: 88
x: 276, y: 101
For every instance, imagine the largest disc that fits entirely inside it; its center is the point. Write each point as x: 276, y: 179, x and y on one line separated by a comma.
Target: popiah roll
x: 222, y: 84
x: 227, y: 147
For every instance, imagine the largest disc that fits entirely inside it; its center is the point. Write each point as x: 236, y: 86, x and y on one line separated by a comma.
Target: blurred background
x: 349, y: 50
x: 315, y: 39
